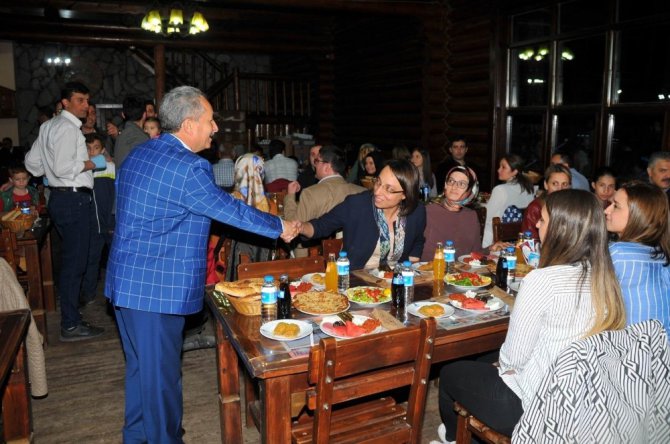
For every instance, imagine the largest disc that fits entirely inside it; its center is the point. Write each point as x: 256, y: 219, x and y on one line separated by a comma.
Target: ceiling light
x: 173, y: 24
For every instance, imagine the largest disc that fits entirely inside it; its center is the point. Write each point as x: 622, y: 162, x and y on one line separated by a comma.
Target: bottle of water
x: 450, y: 257
x: 268, y: 300
x: 408, y: 282
x: 510, y: 255
x: 343, y: 272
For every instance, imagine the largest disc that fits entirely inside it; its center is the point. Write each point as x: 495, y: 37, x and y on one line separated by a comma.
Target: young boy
x: 103, y: 205
x: 19, y: 193
x: 152, y: 126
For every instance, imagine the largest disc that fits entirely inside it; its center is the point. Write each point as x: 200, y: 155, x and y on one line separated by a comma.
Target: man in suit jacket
x: 331, y: 189
x: 166, y: 198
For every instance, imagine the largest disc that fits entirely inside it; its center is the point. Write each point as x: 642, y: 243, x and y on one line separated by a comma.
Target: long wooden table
x: 16, y: 416
x: 282, y: 372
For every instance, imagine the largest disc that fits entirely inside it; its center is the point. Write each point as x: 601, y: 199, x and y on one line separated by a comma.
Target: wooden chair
x: 331, y: 246
x: 467, y: 425
x: 293, y: 267
x: 505, y: 232
x: 348, y: 370
x: 8, y: 248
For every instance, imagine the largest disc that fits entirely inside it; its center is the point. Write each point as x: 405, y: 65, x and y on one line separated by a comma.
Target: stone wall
x: 110, y: 74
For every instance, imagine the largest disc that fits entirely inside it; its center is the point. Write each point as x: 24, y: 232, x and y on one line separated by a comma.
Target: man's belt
x: 72, y: 189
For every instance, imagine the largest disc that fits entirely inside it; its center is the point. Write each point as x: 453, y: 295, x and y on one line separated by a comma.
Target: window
x: 527, y: 136
x: 580, y: 66
x: 531, y: 25
x: 583, y: 14
x: 635, y: 9
x: 575, y: 135
x: 529, y: 77
x: 635, y: 137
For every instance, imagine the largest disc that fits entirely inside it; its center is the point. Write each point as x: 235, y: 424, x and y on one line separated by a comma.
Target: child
x: 152, y: 126
x: 103, y: 204
x: 19, y: 193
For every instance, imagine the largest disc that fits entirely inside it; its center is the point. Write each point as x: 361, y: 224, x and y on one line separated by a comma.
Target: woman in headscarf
x: 450, y: 219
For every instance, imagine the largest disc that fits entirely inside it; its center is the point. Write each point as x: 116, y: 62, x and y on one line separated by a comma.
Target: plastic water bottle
x: 450, y: 256
x: 408, y: 282
x: 510, y: 255
x: 343, y: 272
x: 268, y: 300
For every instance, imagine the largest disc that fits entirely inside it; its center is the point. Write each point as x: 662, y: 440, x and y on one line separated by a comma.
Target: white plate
x: 358, y: 320
x: 413, y: 309
x: 468, y: 287
x: 378, y: 274
x: 317, y: 287
x: 494, y: 302
x: 461, y: 259
x: 350, y: 292
x: 268, y: 328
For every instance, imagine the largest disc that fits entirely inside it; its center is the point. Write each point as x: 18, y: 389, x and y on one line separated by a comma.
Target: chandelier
x: 59, y: 61
x: 173, y: 24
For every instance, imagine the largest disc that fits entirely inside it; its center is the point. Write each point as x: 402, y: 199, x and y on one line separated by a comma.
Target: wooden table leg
x: 48, y: 276
x: 276, y: 410
x: 249, y: 398
x: 229, y: 389
x: 16, y: 413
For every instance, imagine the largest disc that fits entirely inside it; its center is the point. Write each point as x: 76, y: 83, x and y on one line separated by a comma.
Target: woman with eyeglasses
x: 381, y: 227
x: 450, y: 219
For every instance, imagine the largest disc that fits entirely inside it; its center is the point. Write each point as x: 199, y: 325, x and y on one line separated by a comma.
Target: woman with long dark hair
x: 421, y: 160
x: 573, y: 294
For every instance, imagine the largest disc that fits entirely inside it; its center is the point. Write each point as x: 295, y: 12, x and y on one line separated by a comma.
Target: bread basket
x: 248, y: 306
x: 20, y: 224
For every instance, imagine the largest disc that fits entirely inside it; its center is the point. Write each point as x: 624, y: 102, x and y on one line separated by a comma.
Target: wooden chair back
x: 331, y: 246
x: 8, y: 248
x: 349, y: 370
x: 468, y: 425
x: 295, y: 268
x: 505, y: 232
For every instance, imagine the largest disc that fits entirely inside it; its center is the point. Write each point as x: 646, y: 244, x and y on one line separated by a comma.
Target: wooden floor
x: 85, y: 401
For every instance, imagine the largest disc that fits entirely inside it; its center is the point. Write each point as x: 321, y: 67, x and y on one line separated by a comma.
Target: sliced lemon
x: 387, y: 292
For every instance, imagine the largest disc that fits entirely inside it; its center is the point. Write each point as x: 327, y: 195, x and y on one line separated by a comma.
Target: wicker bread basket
x: 248, y: 306
x: 20, y: 224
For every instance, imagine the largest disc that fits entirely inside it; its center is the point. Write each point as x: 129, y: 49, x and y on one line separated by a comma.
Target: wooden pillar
x: 159, y: 68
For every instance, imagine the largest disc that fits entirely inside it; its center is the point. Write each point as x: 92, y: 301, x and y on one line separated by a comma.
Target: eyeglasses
x: 386, y: 188
x: 320, y: 161
x: 457, y: 183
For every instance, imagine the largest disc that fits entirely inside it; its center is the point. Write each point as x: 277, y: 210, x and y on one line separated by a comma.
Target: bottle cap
x: 268, y: 278
x: 450, y: 243
x: 527, y: 233
x: 510, y: 249
x: 343, y: 254
x: 406, y: 264
x: 283, y: 276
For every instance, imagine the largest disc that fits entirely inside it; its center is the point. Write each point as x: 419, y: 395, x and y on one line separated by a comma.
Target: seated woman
x: 574, y: 293
x: 372, y: 165
x: 382, y: 227
x: 557, y: 177
x: 641, y: 256
x: 517, y: 190
x: 604, y: 185
x: 357, y: 170
x: 421, y: 160
x: 450, y: 219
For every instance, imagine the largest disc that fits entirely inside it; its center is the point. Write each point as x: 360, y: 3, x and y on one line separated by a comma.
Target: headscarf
x: 249, y: 173
x: 470, y: 192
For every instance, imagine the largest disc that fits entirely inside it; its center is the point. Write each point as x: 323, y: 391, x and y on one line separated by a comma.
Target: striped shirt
x: 645, y: 282
x: 549, y: 314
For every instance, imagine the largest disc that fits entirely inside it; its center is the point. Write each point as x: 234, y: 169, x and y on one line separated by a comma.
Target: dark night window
x: 635, y: 9
x: 635, y: 137
x: 530, y: 75
x: 575, y: 135
x: 583, y: 14
x: 531, y: 25
x: 526, y: 138
x: 581, y: 64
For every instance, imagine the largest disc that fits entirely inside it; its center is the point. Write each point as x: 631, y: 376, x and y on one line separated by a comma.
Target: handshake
x: 292, y: 229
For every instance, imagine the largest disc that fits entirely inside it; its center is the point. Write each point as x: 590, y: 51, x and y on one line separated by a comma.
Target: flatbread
x: 241, y: 288
x: 428, y: 266
x: 320, y: 302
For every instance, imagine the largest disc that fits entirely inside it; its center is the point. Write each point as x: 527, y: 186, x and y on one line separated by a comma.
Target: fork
x: 345, y: 316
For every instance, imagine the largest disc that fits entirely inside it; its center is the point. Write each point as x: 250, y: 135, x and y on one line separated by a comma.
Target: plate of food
x: 430, y: 309
x: 369, y: 296
x: 360, y: 325
x: 300, y: 287
x: 386, y: 275
x: 320, y: 303
x: 240, y: 288
x: 476, y: 260
x: 467, y: 280
x: 286, y: 329
x: 316, y: 279
x: 471, y: 301
x: 423, y: 266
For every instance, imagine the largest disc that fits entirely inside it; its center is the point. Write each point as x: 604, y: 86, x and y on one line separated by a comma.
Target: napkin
x: 386, y: 319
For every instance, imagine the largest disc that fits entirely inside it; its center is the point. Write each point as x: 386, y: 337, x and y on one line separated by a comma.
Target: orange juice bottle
x: 331, y: 273
x: 438, y: 263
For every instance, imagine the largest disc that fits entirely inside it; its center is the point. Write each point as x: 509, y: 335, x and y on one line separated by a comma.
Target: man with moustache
x: 659, y: 170
x: 166, y: 199
x: 60, y: 154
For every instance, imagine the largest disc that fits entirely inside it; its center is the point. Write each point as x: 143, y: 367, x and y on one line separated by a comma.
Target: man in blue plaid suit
x: 166, y: 198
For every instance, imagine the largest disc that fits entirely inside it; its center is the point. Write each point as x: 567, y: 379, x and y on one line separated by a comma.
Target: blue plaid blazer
x: 166, y: 198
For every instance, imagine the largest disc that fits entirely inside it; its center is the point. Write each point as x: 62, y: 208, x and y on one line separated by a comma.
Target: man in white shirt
x: 279, y: 166
x: 60, y: 154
